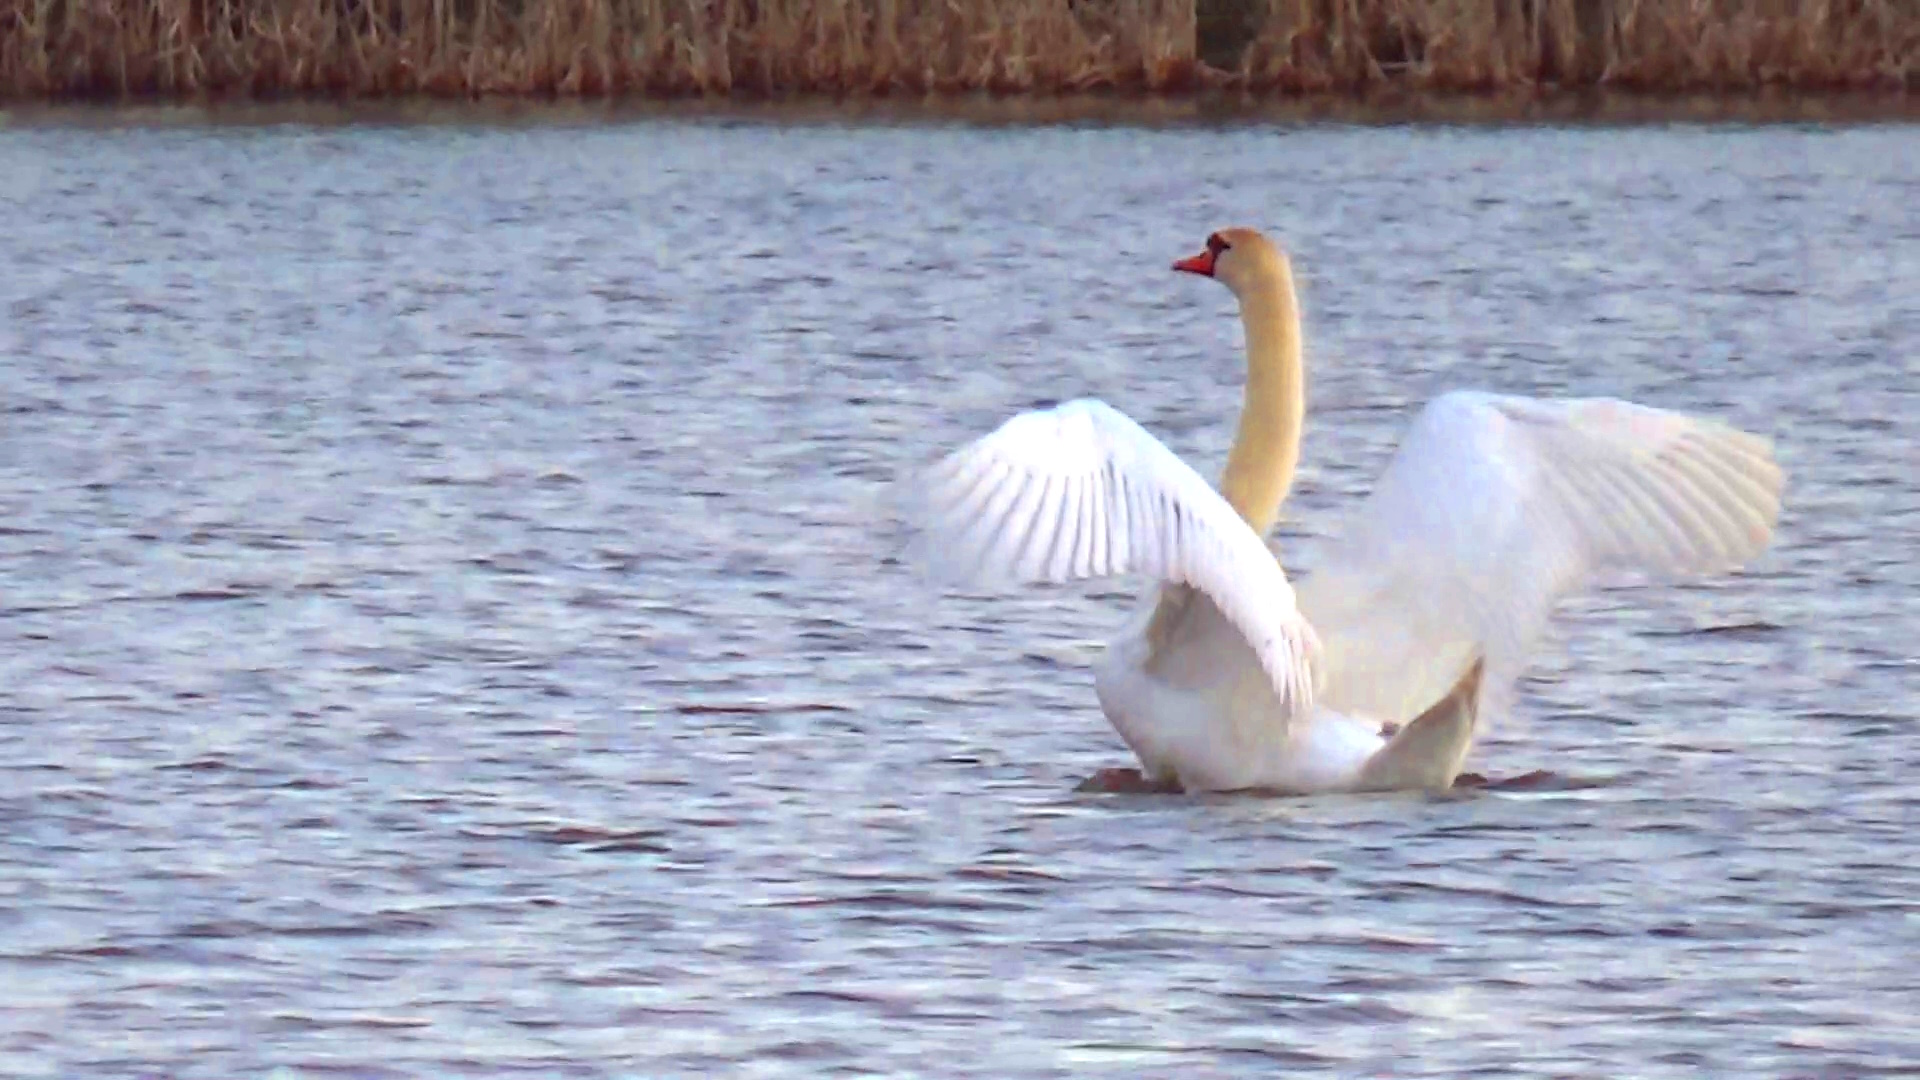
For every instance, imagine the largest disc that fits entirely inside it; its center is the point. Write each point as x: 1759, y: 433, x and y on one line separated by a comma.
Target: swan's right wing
x: 1081, y: 491
x: 1495, y: 508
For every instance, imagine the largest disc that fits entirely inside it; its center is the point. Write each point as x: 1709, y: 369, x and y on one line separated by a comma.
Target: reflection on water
x: 451, y: 629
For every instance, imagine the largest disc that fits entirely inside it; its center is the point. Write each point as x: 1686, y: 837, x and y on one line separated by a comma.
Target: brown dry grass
x: 53, y: 48
x: 257, y: 48
x: 1644, y: 45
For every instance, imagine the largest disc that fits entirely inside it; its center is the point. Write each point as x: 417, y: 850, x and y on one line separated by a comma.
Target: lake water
x: 451, y: 629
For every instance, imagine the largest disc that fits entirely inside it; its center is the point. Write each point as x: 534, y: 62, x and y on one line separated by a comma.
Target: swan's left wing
x: 1495, y: 507
x: 1081, y: 491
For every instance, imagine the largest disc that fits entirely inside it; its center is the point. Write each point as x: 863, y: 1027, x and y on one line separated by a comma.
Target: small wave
x: 590, y: 838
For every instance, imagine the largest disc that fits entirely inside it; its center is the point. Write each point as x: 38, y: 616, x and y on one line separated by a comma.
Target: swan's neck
x: 1266, y: 448
x: 1267, y: 445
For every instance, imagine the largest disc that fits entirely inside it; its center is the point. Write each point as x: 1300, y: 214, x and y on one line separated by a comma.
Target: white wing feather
x: 1081, y: 491
x: 1496, y: 507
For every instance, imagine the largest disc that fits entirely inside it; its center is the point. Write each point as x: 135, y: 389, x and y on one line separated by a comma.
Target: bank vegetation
x: 54, y: 49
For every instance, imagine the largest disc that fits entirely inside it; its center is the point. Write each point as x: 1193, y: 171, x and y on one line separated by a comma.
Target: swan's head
x: 1241, y: 259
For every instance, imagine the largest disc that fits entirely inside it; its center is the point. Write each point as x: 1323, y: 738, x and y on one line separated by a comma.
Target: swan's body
x: 1494, y: 508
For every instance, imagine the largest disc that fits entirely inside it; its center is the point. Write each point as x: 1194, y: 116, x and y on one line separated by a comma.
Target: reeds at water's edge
x: 458, y: 48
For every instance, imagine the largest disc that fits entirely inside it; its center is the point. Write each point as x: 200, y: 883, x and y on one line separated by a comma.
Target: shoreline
x: 974, y: 61
x: 1197, y: 108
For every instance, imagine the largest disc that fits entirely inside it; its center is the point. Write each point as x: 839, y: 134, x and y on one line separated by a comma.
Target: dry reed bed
x: 64, y: 48
x: 1645, y: 45
x: 588, y: 47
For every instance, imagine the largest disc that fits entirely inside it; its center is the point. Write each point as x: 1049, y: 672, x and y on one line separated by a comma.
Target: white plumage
x: 1081, y: 491
x: 1493, y: 509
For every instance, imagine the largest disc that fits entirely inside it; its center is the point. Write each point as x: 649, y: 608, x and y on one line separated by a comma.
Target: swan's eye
x: 1217, y: 245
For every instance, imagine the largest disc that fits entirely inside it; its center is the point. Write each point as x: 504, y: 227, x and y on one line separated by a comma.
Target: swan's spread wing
x: 1496, y: 507
x: 1081, y: 491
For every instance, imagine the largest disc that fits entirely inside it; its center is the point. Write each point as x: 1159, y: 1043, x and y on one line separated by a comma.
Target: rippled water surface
x: 451, y: 627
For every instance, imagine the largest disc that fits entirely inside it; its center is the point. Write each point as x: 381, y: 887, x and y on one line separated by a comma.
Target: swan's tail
x: 1430, y: 751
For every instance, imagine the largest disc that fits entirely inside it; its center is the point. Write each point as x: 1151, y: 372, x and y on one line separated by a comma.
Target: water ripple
x: 452, y: 626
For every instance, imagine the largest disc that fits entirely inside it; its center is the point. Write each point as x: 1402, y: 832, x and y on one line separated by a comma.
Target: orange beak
x: 1201, y: 264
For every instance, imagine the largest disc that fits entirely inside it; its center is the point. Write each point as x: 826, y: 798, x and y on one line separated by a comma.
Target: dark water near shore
x: 449, y: 629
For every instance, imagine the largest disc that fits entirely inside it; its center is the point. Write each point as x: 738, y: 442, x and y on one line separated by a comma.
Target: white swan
x: 1493, y: 508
